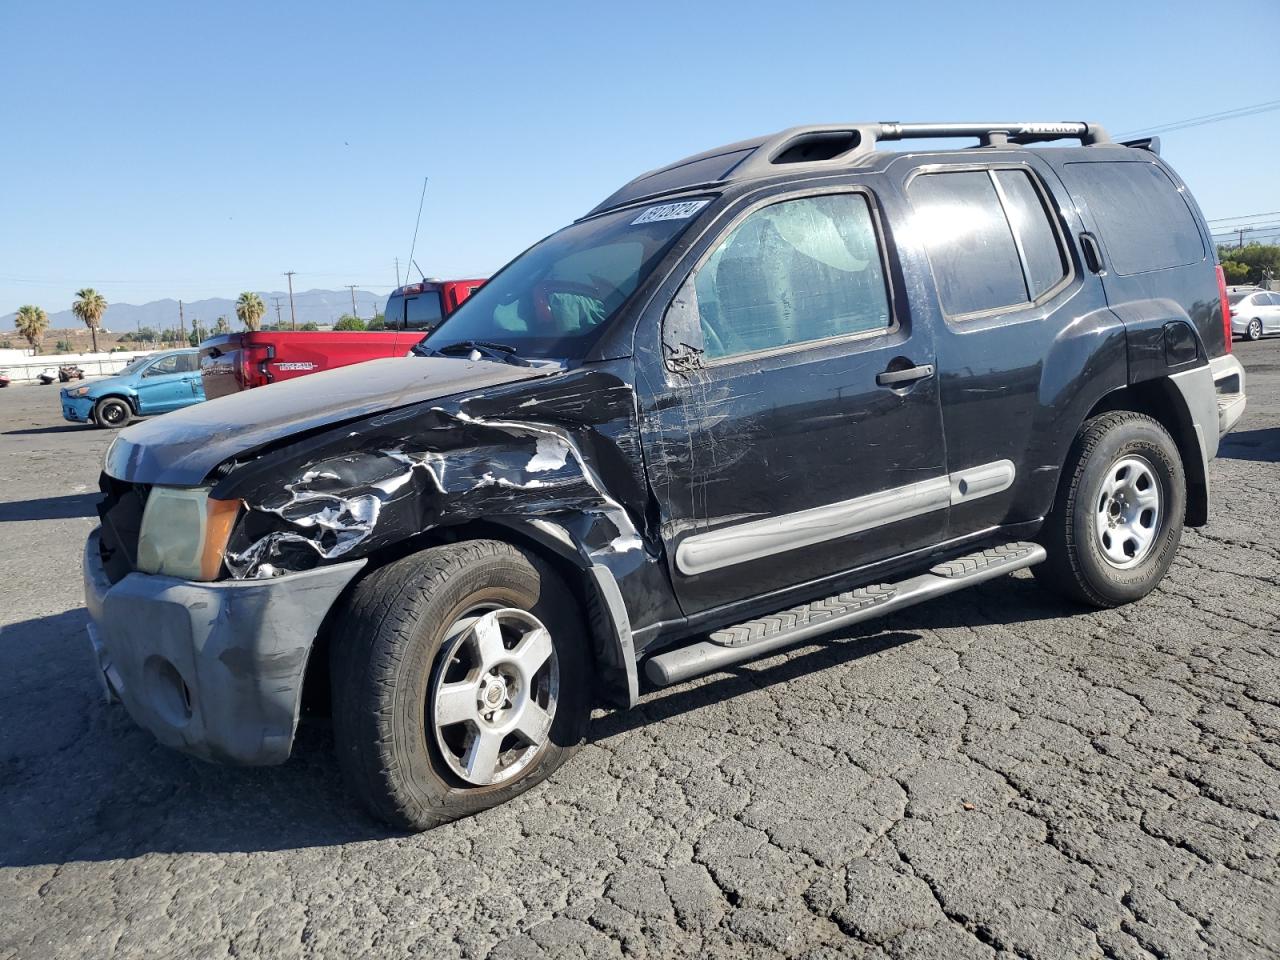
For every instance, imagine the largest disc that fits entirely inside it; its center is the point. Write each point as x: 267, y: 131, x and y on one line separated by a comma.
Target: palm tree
x: 250, y: 308
x: 222, y: 326
x: 89, y: 307
x: 31, y: 322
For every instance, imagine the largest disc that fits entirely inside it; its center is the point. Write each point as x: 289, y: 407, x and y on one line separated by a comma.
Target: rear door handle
x: 895, y: 378
x: 1092, y: 253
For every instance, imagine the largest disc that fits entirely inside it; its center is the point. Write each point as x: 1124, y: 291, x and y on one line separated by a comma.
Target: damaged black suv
x: 765, y: 392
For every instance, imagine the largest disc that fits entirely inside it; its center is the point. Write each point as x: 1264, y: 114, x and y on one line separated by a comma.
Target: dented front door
x: 797, y: 430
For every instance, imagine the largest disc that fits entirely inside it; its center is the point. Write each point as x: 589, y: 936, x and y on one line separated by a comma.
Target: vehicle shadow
x: 51, y: 508
x: 60, y: 428
x: 1261, y: 446
x: 80, y: 782
x: 1002, y: 601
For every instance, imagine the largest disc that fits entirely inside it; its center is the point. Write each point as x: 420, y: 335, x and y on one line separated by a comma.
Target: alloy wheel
x: 493, y: 694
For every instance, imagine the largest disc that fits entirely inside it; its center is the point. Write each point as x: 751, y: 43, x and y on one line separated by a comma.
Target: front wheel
x: 1117, y: 521
x: 1255, y: 329
x: 111, y: 413
x: 459, y: 679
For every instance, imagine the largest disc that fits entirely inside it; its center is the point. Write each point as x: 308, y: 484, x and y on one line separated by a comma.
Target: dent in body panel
x: 563, y: 452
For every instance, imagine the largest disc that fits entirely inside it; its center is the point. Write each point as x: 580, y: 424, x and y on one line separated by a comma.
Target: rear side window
x: 1033, y: 229
x: 1141, y: 214
x: 989, y: 238
x: 793, y: 272
x: 423, y: 311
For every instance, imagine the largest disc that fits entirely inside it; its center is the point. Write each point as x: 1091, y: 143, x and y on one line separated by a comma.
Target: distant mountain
x: 311, y: 306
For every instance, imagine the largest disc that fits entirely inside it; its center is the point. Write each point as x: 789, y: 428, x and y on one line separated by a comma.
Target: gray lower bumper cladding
x: 212, y: 669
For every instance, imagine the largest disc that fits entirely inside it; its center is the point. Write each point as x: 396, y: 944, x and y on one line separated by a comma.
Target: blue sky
x: 183, y: 150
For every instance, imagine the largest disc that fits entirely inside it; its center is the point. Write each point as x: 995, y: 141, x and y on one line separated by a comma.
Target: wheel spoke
x: 481, y: 761
x: 534, y: 724
x: 533, y: 651
x: 488, y: 640
x: 456, y: 702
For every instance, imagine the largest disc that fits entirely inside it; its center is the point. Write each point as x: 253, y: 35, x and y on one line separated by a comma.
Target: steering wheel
x: 543, y: 290
x: 711, y: 340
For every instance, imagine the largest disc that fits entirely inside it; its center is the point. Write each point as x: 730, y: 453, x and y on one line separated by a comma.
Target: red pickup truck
x: 240, y: 361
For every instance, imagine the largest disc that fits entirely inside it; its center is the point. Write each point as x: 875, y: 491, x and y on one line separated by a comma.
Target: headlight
x: 184, y: 532
x: 80, y: 392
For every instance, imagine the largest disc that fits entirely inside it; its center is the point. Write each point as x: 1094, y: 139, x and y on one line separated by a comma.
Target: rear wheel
x: 112, y: 413
x: 1254, y: 331
x: 459, y: 681
x: 1118, y: 518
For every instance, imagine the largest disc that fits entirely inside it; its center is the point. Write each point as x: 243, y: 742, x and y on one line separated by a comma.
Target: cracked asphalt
x: 991, y: 774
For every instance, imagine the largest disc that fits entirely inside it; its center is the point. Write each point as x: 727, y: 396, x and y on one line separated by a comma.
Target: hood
x: 99, y: 387
x: 183, y: 447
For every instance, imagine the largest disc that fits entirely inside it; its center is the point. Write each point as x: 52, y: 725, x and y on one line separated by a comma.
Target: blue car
x: 152, y: 384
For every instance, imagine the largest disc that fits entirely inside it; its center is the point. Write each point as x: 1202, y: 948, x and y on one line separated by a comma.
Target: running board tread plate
x: 806, y: 614
x: 764, y: 635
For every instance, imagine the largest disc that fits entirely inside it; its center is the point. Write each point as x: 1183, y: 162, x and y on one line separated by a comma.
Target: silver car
x: 1254, y: 313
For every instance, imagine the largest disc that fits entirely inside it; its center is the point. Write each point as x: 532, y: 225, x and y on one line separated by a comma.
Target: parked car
x: 233, y: 362
x: 156, y: 383
x: 1254, y: 313
x: 772, y: 390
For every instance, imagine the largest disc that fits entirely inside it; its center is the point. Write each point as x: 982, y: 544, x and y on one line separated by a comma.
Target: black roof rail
x: 823, y: 146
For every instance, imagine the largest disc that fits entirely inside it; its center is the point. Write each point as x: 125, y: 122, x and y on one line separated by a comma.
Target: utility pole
x: 293, y: 317
x: 1241, y: 231
x: 352, y: 288
x: 397, y: 271
x: 279, y: 319
x: 182, y: 326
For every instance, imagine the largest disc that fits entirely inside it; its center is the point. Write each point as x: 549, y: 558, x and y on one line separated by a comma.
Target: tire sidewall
x: 1135, y: 438
x: 508, y: 580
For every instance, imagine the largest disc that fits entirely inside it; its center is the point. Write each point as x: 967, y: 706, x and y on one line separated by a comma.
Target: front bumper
x: 77, y: 409
x: 212, y: 669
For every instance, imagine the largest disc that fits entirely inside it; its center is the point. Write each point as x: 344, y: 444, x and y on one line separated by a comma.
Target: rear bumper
x: 1228, y: 387
x: 212, y: 669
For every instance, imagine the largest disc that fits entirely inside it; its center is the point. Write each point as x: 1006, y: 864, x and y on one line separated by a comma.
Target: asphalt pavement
x: 996, y: 773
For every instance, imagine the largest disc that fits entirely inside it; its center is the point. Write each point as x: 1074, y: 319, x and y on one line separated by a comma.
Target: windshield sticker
x: 671, y: 211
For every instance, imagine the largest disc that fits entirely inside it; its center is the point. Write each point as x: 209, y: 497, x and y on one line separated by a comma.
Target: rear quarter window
x: 1142, y: 216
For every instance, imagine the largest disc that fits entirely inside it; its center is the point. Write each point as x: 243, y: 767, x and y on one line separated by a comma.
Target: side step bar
x: 756, y: 638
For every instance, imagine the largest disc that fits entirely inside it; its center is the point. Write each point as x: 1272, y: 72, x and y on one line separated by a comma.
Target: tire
x: 1096, y: 554
x: 1254, y: 330
x: 397, y: 642
x: 112, y: 413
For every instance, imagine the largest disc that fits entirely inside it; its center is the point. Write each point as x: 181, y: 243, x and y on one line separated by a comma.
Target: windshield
x: 556, y: 297
x: 1237, y: 297
x: 134, y: 365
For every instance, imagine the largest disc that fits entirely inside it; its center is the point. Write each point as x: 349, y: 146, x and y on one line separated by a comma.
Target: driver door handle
x: 896, y: 378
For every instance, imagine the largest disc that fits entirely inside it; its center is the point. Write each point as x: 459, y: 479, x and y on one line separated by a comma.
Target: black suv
x: 768, y: 391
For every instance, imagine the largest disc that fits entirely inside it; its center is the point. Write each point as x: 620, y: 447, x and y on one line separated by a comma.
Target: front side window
x: 164, y: 365
x: 557, y: 297
x: 989, y: 239
x: 793, y: 272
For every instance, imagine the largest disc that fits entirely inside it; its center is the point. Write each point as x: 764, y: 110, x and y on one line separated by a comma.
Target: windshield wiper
x: 488, y: 348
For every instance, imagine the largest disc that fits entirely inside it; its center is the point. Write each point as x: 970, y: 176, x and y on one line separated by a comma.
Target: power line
x: 1246, y: 216
x: 1200, y: 121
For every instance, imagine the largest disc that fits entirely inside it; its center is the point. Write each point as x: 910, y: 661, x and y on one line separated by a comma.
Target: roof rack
x: 833, y: 145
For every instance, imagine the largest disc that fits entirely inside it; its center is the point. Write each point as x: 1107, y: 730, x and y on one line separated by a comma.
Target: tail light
x: 252, y: 365
x: 1226, y: 308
